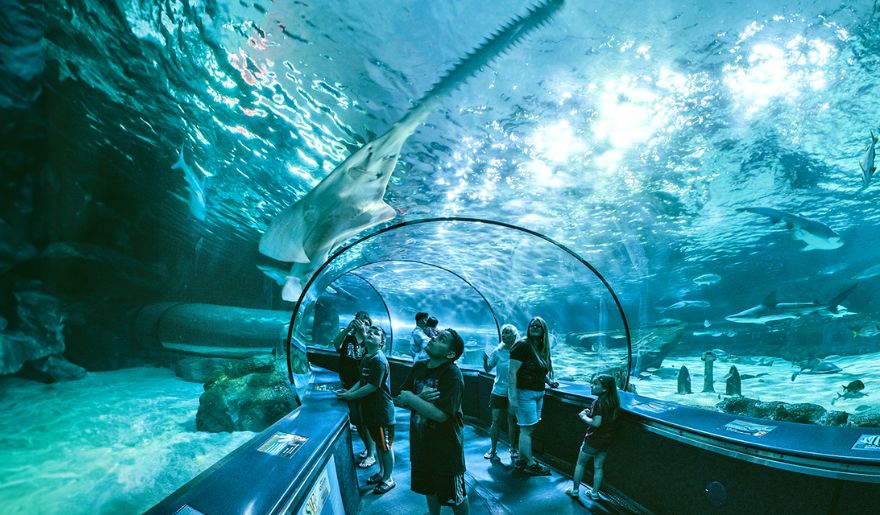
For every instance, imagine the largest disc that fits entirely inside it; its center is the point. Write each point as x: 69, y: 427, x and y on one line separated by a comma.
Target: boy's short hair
x: 456, y: 344
x: 421, y: 315
x: 432, y: 322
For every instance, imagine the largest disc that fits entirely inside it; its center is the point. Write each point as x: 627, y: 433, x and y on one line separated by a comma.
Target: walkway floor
x: 494, y: 487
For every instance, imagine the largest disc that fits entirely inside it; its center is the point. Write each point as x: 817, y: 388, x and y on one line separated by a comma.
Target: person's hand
x: 340, y: 393
x: 429, y: 394
x: 585, y: 412
x: 554, y: 384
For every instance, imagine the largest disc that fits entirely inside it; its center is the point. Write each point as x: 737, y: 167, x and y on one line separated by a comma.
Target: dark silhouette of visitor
x: 433, y: 392
x: 349, y: 343
x: 601, y: 419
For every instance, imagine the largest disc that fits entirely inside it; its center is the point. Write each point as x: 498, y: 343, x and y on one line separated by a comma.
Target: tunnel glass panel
x: 492, y: 275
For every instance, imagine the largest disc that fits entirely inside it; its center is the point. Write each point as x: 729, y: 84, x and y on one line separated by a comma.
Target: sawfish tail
x: 497, y: 44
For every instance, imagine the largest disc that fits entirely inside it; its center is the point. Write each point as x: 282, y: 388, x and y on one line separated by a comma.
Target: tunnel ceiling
x: 632, y: 139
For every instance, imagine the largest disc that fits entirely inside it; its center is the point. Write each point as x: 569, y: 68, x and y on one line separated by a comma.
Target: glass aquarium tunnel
x: 495, y: 273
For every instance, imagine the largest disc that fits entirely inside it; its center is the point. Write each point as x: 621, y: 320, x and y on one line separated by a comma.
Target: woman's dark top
x: 531, y: 374
x: 350, y: 354
x: 601, y: 437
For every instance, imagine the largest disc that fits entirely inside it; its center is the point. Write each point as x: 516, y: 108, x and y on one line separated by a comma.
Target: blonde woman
x: 530, y: 370
x: 499, y: 359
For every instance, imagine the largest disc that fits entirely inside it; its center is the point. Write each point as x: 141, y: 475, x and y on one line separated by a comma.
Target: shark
x: 196, y: 182
x: 769, y: 310
x: 816, y: 235
x: 867, y: 163
x: 351, y: 198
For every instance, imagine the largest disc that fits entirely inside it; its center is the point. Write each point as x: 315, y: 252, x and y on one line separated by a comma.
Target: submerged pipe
x: 209, y: 329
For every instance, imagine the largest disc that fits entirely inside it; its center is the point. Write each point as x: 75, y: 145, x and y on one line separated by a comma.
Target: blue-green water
x: 632, y: 137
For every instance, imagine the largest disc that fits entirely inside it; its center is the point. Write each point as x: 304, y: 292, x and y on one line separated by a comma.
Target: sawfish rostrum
x: 350, y: 199
x: 816, y: 235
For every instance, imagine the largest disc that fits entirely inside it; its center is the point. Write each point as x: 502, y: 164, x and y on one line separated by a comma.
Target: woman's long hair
x: 541, y: 346
x: 608, y: 399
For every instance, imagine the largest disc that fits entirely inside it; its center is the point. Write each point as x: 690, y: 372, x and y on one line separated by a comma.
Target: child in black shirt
x: 373, y: 389
x: 349, y: 343
x: 601, y: 420
x: 433, y: 391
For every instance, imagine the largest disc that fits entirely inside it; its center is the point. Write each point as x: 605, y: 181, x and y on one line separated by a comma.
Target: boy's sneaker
x: 375, y: 479
x: 594, y: 495
x: 536, y: 469
x: 520, y: 464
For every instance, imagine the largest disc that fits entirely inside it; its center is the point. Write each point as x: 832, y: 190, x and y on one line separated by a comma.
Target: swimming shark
x: 816, y: 235
x: 350, y: 198
x: 197, y: 205
x: 770, y: 311
x: 867, y: 162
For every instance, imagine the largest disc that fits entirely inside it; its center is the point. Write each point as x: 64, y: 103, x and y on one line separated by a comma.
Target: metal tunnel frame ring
x: 505, y: 225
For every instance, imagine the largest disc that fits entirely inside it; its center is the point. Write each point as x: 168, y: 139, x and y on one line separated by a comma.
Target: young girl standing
x: 600, y: 419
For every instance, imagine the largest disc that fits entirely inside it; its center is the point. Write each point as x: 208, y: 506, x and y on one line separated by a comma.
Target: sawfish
x: 350, y: 198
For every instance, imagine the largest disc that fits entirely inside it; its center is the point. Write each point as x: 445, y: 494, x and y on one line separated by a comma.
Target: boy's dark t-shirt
x: 377, y: 409
x: 531, y: 374
x: 350, y: 354
x: 437, y: 447
x: 601, y: 437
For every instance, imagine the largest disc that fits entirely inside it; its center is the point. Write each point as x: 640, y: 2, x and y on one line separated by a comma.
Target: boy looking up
x: 433, y: 392
x: 373, y: 389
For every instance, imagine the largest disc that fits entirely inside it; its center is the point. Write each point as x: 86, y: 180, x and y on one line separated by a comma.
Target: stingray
x: 350, y: 198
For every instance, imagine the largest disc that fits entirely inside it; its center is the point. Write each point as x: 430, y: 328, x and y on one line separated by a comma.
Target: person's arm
x: 358, y: 393
x: 512, y: 392
x: 489, y: 362
x: 424, y: 408
x: 552, y: 383
x: 342, y: 392
x: 337, y: 341
x: 593, y: 422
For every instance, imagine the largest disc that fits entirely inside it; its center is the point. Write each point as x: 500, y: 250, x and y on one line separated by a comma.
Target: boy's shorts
x: 450, y: 490
x: 498, y: 401
x: 528, y: 407
x: 383, y: 436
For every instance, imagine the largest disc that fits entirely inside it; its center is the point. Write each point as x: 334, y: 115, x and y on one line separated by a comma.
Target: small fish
x: 667, y: 321
x: 687, y: 304
x: 868, y: 273
x: 707, y: 279
x: 868, y: 331
x: 867, y: 162
x: 714, y: 333
x: 197, y: 204
x: 816, y: 235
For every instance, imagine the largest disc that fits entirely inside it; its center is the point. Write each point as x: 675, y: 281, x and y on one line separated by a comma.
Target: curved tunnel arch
x: 432, y: 265
x: 341, y: 251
